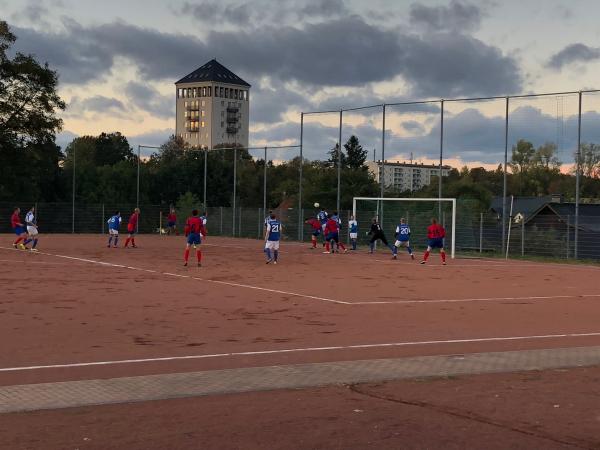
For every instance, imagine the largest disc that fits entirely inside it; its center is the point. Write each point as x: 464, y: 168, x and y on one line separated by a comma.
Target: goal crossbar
x: 406, y: 199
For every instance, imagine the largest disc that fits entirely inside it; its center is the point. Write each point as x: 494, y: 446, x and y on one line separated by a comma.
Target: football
x: 317, y: 205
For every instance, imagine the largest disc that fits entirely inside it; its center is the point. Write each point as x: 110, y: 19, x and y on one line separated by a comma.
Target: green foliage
x: 186, y: 203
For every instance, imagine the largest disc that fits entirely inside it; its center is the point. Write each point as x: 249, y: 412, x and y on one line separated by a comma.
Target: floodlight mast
x: 392, y: 199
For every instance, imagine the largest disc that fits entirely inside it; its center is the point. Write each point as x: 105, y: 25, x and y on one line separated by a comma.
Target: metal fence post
x: 265, y: 183
x: 339, y: 164
x: 240, y: 223
x: 221, y: 220
x: 577, y: 180
x: 523, y: 236
x: 137, y: 188
x: 259, y: 223
x: 73, y: 200
x: 300, y: 227
x: 441, y: 156
x: 568, y: 234
x: 505, y: 175
x: 382, y: 172
x: 480, y: 232
x: 234, y: 190
x: 205, y: 175
x: 103, y: 217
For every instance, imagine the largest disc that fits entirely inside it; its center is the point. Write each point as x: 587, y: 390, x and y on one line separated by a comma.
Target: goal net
x: 418, y: 213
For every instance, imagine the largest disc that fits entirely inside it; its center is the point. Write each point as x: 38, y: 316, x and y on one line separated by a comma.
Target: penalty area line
x: 300, y: 350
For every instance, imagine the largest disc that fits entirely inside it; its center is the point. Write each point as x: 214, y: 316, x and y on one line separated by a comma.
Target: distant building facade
x: 405, y: 176
x: 213, y: 106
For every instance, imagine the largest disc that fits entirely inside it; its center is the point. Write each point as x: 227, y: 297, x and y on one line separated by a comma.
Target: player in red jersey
x: 315, y: 224
x: 18, y: 228
x: 332, y: 230
x: 132, y: 227
x: 194, y: 231
x: 172, y: 222
x: 435, y: 236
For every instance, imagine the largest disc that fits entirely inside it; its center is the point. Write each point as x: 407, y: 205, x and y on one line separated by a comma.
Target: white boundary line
x: 313, y: 297
x: 299, y: 350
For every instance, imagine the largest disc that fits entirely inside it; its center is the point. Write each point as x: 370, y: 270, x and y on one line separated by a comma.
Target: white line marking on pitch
x: 460, y: 300
x: 313, y: 297
x: 299, y: 350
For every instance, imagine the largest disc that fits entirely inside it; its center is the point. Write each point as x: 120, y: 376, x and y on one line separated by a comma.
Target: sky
x: 118, y: 60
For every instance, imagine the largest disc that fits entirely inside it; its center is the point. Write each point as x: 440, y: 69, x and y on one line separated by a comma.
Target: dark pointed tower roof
x: 213, y: 71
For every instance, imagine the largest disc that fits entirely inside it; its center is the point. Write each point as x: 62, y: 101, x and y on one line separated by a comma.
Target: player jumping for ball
x: 323, y: 217
x: 403, y: 238
x: 194, y: 228
x: 435, y: 236
x: 132, y: 227
x: 316, y: 231
x: 377, y: 233
x: 272, y: 237
x: 332, y: 235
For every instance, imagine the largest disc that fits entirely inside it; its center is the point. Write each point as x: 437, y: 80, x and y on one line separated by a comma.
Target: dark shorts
x: 194, y: 239
x: 436, y: 243
x: 19, y: 230
x: 171, y: 224
x: 316, y: 232
x: 333, y: 237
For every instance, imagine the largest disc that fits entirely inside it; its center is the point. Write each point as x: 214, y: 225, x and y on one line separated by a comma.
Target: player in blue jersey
x: 32, y: 230
x: 113, y: 229
x: 272, y: 237
x: 403, y: 238
x: 322, y: 216
x: 353, y: 230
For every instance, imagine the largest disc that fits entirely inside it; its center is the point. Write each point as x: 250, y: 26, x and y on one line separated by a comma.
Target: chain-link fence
x: 549, y: 233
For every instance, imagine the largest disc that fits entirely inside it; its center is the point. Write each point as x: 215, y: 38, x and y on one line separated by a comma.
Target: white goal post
x: 435, y: 200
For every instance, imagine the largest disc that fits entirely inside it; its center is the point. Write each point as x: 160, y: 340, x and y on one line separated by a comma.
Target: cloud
x: 153, y: 138
x: 256, y: 13
x: 96, y: 104
x: 148, y: 99
x: 571, y: 54
x: 450, y: 64
x: 64, y: 138
x: 271, y: 99
x: 345, y: 51
x: 457, y: 16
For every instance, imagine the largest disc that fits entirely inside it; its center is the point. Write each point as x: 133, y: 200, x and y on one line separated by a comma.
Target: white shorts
x: 32, y: 231
x: 353, y: 235
x: 272, y: 245
x: 113, y: 232
x: 402, y: 243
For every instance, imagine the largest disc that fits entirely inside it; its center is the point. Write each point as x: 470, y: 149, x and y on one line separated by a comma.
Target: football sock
x: 372, y: 246
x: 275, y: 254
x: 127, y: 241
x: 199, y: 255
x: 268, y: 252
x: 19, y: 239
x: 327, y: 246
x: 342, y: 246
x: 186, y: 255
x: 426, y: 255
x: 116, y: 240
x: 34, y: 243
x: 314, y: 242
x: 27, y: 241
x: 409, y: 250
x: 133, y: 241
x: 443, y: 255
x: 110, y: 240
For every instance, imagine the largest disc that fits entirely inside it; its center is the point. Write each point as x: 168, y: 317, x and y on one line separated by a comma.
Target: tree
x: 335, y: 157
x: 28, y: 97
x: 545, y: 156
x: 590, y: 160
x: 356, y: 155
x: 521, y: 159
